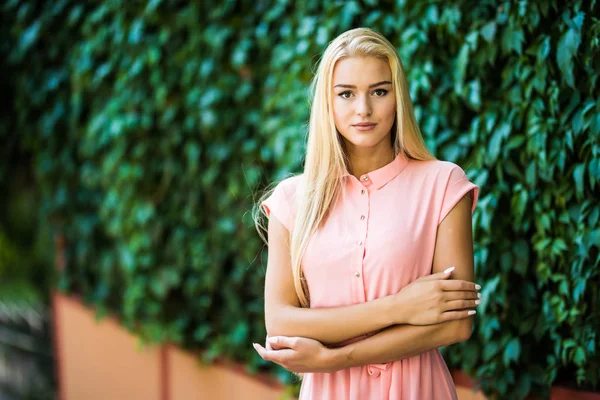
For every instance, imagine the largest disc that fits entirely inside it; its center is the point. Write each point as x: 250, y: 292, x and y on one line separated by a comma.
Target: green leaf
x: 240, y: 333
x: 579, y: 357
x: 578, y: 176
x: 543, y: 50
x: 462, y: 62
x: 307, y: 26
x: 30, y: 36
x: 202, y: 332
x: 513, y: 39
x: 490, y: 350
x: 559, y: 246
x: 566, y: 50
x: 579, y: 289
x: 488, y: 31
x: 349, y: 11
x: 512, y: 351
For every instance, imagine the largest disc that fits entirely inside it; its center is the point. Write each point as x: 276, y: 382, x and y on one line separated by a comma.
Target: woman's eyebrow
x: 370, y: 86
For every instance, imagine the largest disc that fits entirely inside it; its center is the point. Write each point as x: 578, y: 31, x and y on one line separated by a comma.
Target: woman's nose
x: 363, y: 106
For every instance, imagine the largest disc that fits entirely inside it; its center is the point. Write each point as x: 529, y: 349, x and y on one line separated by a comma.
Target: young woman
x: 370, y: 263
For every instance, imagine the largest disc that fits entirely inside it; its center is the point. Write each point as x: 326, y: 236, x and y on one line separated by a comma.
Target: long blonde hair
x: 325, y: 159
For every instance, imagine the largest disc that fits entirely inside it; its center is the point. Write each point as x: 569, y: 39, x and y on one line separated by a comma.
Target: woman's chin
x: 364, y: 141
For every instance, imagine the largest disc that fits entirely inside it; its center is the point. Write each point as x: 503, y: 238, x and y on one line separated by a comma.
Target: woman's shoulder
x: 288, y: 186
x: 436, y: 168
x: 291, y: 182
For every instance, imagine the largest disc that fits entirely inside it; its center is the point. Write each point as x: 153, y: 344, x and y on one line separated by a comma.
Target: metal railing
x: 26, y: 356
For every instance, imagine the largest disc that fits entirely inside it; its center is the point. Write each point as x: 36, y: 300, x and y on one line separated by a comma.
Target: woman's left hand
x: 297, y: 354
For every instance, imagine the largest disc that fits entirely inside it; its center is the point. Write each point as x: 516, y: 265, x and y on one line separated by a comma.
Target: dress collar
x: 383, y: 175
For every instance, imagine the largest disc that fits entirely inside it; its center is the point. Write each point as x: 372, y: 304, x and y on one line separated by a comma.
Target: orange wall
x: 189, y: 380
x: 468, y: 394
x: 99, y: 361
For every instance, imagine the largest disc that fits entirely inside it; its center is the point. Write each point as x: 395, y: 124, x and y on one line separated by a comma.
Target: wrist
x: 336, y: 359
x: 394, y: 312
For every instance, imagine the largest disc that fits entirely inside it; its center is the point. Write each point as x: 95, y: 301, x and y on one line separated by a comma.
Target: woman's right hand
x: 435, y: 298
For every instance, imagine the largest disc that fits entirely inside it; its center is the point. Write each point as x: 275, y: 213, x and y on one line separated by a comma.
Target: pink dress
x: 377, y: 240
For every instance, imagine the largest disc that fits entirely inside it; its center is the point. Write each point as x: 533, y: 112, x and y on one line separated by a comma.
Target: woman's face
x: 362, y: 94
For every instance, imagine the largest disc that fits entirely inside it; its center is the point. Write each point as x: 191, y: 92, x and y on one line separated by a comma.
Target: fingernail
x: 477, y: 287
x: 449, y: 270
x: 477, y: 302
x: 471, y: 312
x: 273, y: 339
x: 479, y: 295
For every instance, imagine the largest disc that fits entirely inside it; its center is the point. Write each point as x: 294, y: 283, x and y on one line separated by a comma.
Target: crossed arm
x: 398, y: 340
x: 285, y: 317
x: 454, y: 246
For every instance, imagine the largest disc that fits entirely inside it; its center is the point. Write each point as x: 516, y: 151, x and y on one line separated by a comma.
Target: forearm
x: 331, y: 325
x: 400, y: 342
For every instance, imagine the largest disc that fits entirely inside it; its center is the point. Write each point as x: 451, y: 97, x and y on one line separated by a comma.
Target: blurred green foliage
x: 154, y: 125
x: 26, y: 270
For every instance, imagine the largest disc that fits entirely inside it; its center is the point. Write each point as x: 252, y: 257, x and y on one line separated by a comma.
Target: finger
x: 439, y: 275
x: 260, y: 350
x: 455, y: 284
x: 277, y: 356
x: 461, y: 295
x: 277, y: 346
x: 461, y: 304
x: 283, y: 342
x: 453, y: 315
x: 269, y: 346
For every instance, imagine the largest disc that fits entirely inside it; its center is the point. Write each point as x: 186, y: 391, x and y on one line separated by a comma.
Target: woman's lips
x: 363, y: 128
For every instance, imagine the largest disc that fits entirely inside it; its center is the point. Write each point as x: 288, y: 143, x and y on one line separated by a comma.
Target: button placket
x: 363, y: 192
x: 361, y: 240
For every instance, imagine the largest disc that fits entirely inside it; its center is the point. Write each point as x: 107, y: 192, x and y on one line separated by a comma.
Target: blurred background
x: 135, y: 137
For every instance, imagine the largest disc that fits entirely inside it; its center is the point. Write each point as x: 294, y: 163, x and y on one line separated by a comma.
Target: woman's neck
x: 365, y: 162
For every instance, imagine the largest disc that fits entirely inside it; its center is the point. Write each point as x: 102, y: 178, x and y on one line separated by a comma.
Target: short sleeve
x: 456, y: 186
x: 278, y: 204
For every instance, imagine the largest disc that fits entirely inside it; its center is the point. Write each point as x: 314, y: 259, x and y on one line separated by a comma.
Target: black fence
x: 26, y: 356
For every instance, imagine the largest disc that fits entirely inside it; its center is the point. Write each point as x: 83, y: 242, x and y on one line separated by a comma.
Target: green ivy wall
x: 155, y: 125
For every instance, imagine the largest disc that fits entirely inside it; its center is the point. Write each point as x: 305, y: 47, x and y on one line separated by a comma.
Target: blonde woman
x: 370, y: 265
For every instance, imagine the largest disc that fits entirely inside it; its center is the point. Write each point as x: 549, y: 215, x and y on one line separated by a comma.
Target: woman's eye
x: 378, y: 92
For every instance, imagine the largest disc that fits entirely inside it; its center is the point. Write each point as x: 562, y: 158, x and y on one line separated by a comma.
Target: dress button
x: 356, y: 274
x: 362, y: 217
x: 362, y: 191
